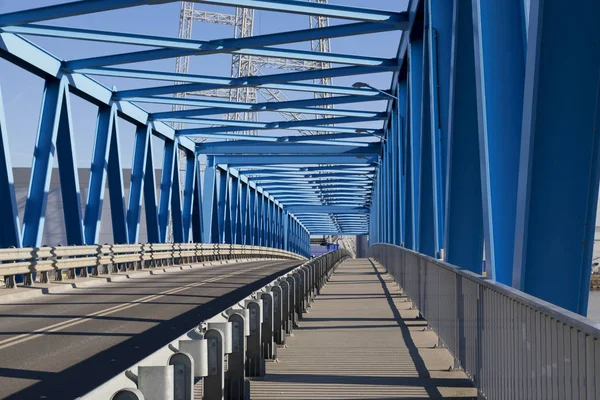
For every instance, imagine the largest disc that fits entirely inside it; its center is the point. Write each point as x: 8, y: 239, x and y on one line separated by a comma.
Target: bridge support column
x: 464, y: 217
x: 499, y: 80
x: 560, y: 169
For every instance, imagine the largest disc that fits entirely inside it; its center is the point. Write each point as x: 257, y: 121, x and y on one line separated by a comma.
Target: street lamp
x: 360, y: 85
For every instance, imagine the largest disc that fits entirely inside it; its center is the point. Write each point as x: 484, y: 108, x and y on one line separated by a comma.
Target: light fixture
x: 360, y: 85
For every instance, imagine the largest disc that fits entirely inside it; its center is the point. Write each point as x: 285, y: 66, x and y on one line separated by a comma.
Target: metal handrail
x: 508, y: 342
x: 98, y: 259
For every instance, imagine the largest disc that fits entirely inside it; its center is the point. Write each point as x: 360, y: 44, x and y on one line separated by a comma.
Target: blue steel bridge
x: 473, y: 170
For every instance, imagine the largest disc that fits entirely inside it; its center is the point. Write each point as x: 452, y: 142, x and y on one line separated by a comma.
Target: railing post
x: 214, y: 383
x: 156, y: 383
x: 236, y: 363
x: 255, y: 362
x: 269, y: 350
x: 183, y: 376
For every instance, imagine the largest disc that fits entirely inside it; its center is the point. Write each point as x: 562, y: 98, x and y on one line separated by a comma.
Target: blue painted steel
x: 10, y: 227
x: 136, y: 184
x: 209, y: 202
x: 415, y: 71
x: 400, y: 204
x: 150, y: 204
x: 291, y: 6
x: 197, y: 47
x: 52, y: 124
x: 254, y: 81
x: 188, y: 195
x: 232, y: 148
x: 560, y: 169
x: 426, y: 243
x: 176, y: 201
x: 463, y: 215
x: 166, y: 189
x: 198, y: 206
x: 105, y: 134
x: 69, y: 177
x: 234, y: 206
x: 439, y: 41
x: 500, y: 82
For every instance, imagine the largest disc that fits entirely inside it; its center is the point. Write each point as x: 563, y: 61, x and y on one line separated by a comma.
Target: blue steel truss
x: 486, y: 150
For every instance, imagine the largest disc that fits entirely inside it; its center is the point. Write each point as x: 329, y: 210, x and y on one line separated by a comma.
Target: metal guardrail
x: 512, y: 345
x: 224, y: 350
x: 83, y: 261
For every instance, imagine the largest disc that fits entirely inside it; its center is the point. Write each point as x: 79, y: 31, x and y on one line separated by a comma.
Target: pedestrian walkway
x: 361, y: 340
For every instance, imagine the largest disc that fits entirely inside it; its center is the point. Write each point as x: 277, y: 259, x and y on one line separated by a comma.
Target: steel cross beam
x: 290, y: 6
x: 258, y: 81
x: 218, y: 82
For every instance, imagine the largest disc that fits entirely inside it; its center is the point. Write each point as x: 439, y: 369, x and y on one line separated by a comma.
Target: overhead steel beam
x: 224, y: 82
x: 289, y: 6
x: 372, y: 149
x: 348, y: 159
x: 328, y: 209
x: 254, y: 81
x: 196, y: 47
x: 220, y: 46
x: 30, y: 57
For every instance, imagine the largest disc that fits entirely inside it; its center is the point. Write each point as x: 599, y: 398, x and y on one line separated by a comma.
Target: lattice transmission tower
x: 245, y: 65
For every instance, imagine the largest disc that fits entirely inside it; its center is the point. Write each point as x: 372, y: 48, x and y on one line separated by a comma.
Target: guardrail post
x: 236, y: 364
x: 254, y: 361
x: 128, y: 394
x: 214, y: 383
x: 156, y: 383
x: 269, y: 350
x: 278, y: 319
x: 198, y: 350
x: 183, y: 376
x: 299, y: 295
x: 293, y: 298
x: 286, y: 315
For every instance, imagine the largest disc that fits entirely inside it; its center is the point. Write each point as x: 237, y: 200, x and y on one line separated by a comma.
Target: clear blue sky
x: 22, y: 91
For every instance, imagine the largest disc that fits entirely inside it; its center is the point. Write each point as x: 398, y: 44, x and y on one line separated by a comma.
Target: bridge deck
x: 360, y: 340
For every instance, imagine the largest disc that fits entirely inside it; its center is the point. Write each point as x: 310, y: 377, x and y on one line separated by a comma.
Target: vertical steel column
x: 10, y: 227
x: 393, y: 165
x: 106, y: 165
x: 197, y: 204
x: 415, y: 76
x: 286, y: 230
x: 500, y: 82
x: 401, y: 157
x: 252, y: 215
x: 54, y: 135
x: 259, y: 218
x: 166, y: 188
x: 559, y: 175
x: 439, y: 40
x: 176, y: 201
x: 222, y: 193
x: 150, y: 204
x: 463, y: 216
x: 243, y: 214
x: 227, y: 221
x: 210, y: 227
x: 188, y: 195
x: 234, y: 207
x: 426, y: 244
x: 136, y: 183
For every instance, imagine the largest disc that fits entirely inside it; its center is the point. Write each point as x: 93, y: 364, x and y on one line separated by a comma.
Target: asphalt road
x: 61, y: 346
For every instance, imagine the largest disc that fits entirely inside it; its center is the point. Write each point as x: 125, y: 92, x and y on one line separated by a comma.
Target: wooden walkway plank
x: 361, y: 340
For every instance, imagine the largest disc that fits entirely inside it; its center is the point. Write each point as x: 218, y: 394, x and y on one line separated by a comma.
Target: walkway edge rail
x: 247, y: 333
x: 105, y: 259
x: 512, y: 345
